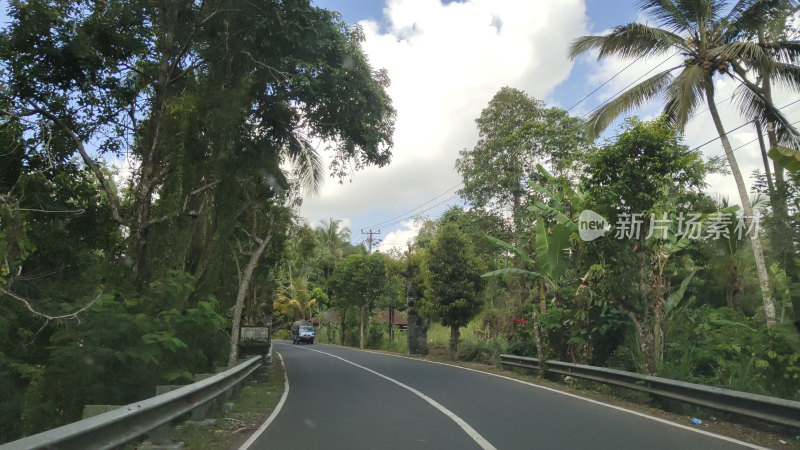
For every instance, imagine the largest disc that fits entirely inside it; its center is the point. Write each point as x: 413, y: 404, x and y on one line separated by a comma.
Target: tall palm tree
x: 332, y: 236
x: 713, y: 42
x: 335, y: 240
x: 295, y: 299
x: 783, y: 72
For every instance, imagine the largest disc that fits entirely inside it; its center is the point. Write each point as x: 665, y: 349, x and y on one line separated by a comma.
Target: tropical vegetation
x: 152, y: 169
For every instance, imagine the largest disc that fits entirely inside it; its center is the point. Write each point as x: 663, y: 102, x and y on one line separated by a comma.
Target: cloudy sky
x: 447, y: 59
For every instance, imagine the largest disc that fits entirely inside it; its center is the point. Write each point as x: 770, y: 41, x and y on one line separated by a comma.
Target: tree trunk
x: 646, y: 337
x: 647, y: 341
x: 244, y: 286
x: 537, y: 332
x: 391, y: 323
x: 168, y: 18
x: 537, y: 337
x: 767, y: 172
x: 734, y: 288
x: 343, y: 327
x: 755, y: 241
x: 455, y: 334
x: 361, y: 327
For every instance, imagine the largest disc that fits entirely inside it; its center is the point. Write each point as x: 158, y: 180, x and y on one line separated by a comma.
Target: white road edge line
x: 597, y: 402
x: 275, y: 412
x: 480, y: 440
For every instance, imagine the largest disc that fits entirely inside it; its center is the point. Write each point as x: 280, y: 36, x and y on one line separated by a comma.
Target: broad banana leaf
x: 785, y: 157
x: 512, y: 249
x: 512, y: 271
x: 675, y: 299
x: 574, y: 196
x: 550, y: 249
x: 558, y: 216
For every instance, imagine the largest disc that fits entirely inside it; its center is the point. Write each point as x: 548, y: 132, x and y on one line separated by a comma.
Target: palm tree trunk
x: 765, y: 160
x: 755, y: 241
x: 780, y: 182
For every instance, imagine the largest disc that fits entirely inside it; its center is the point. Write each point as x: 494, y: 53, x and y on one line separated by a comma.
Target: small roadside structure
x: 254, y: 340
x: 399, y: 318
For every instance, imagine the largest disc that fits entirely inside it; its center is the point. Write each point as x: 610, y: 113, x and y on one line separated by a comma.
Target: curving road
x: 341, y: 398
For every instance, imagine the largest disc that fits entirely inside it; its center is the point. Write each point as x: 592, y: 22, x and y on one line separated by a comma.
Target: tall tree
x: 359, y: 281
x: 713, y: 39
x: 645, y: 175
x: 175, y: 92
x: 454, y: 282
x: 297, y: 298
x: 334, y: 240
x: 214, y: 106
x: 516, y: 132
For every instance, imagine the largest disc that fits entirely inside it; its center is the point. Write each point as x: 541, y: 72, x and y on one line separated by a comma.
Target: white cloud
x: 399, y: 238
x: 445, y: 63
x: 701, y: 128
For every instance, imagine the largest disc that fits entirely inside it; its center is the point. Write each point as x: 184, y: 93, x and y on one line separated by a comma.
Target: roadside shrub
x: 352, y: 337
x: 722, y: 347
x: 374, y: 334
x: 282, y: 335
x: 522, y: 342
x: 483, y: 351
x: 397, y: 345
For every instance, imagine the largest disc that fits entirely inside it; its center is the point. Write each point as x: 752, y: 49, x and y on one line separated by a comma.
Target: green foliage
x: 646, y: 166
x: 282, y: 335
x: 721, y: 347
x: 454, y: 282
x: 517, y: 132
x: 221, y: 133
x: 713, y: 41
x: 786, y: 158
x: 359, y: 280
x: 119, y: 351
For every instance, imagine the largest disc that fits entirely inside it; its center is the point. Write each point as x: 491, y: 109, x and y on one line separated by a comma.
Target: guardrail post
x: 212, y: 408
x: 95, y: 410
x: 236, y: 389
x: 158, y: 439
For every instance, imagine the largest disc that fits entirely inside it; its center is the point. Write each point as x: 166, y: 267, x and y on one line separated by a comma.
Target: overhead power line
x: 415, y: 211
x: 734, y: 129
x: 754, y: 140
x: 451, y: 198
x: 385, y: 222
x: 608, y: 100
x: 605, y: 83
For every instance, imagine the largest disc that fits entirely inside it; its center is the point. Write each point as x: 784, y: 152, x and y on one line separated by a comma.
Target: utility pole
x: 369, y: 239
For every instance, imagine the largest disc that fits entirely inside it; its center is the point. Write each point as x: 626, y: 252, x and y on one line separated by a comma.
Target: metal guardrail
x: 770, y: 409
x: 129, y: 422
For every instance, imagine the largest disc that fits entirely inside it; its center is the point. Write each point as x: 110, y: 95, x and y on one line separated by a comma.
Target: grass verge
x: 253, y: 405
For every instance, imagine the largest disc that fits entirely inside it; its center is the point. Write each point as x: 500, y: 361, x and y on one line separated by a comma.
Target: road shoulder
x: 250, y: 409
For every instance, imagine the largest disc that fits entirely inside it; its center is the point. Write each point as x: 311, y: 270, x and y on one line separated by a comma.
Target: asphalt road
x: 342, y: 398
